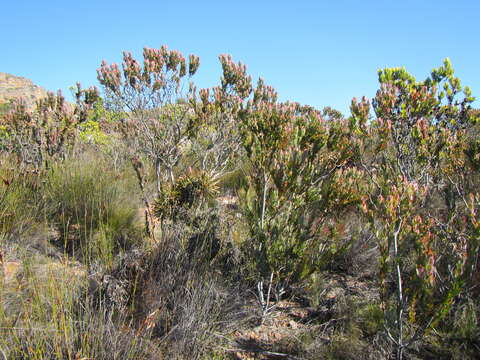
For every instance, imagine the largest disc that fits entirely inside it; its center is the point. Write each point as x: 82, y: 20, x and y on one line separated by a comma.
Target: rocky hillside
x: 12, y: 87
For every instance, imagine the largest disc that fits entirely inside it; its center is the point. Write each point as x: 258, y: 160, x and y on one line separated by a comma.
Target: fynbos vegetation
x: 366, y: 225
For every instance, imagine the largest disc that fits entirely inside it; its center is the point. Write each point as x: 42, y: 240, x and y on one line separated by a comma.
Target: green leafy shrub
x: 294, y: 155
x: 418, y: 202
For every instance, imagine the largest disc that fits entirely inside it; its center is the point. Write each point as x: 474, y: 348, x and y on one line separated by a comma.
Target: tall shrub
x: 157, y: 124
x: 294, y: 155
x: 48, y: 132
x: 427, y: 241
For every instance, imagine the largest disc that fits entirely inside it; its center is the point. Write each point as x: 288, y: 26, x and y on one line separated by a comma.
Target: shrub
x: 187, y: 193
x: 294, y: 157
x: 419, y: 134
x: 47, y: 133
x: 156, y: 125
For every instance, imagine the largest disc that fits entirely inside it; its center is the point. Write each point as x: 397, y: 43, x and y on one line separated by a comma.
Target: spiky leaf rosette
x: 189, y: 190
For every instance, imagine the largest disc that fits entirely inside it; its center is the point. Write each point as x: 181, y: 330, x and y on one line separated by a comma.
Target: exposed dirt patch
x: 292, y: 325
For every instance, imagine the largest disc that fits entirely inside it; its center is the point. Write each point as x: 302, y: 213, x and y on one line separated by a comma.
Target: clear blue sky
x: 320, y: 52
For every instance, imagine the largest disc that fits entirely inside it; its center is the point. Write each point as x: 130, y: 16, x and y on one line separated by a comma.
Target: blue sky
x: 320, y: 53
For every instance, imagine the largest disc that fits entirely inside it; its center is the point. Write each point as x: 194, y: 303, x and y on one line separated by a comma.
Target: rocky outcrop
x: 14, y: 87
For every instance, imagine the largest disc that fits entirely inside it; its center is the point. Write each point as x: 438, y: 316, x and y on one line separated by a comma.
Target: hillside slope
x: 13, y: 87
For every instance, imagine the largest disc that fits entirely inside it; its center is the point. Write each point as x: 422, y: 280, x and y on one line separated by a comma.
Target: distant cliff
x: 12, y: 87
